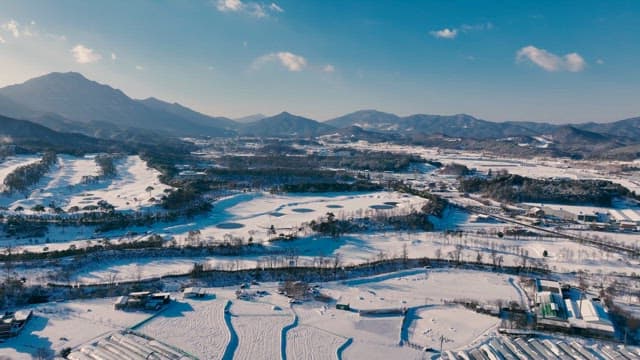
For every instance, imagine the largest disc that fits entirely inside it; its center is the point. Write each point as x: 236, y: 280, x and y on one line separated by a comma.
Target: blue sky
x: 558, y: 61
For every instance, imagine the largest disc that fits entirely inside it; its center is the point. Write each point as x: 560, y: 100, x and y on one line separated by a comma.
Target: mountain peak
x: 79, y: 99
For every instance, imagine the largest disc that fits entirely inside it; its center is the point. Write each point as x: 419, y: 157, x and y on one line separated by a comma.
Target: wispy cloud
x: 600, y: 62
x: 548, y: 61
x: 85, y: 55
x: 114, y: 57
x: 445, y: 33
x: 290, y: 61
x: 328, y: 68
x: 255, y: 9
x: 476, y: 27
x: 139, y: 67
x: 2, y: 41
x: 12, y: 27
x: 276, y: 8
x: 452, y: 33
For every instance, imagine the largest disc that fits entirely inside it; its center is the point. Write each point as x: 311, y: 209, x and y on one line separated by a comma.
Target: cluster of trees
x: 330, y: 225
x: 105, y: 220
x: 330, y: 187
x: 455, y: 169
x: 153, y: 242
x: 356, y: 160
x: 436, y: 204
x: 27, y: 175
x: 107, y: 165
x: 516, y: 188
x: 187, y: 198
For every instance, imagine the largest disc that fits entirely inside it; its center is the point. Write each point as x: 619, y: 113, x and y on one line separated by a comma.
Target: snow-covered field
x: 307, y: 342
x: 534, y: 167
x: 258, y: 327
x: 563, y: 256
x: 458, y: 325
x: 10, y: 164
x: 418, y: 287
x: 203, y: 332
x: 63, y: 185
x: 312, y: 330
x: 55, y: 326
x: 252, y: 215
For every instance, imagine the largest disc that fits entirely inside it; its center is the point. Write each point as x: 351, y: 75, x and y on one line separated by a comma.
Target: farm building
x: 535, y: 212
x: 12, y: 323
x: 128, y: 345
x: 142, y: 300
x: 194, y: 292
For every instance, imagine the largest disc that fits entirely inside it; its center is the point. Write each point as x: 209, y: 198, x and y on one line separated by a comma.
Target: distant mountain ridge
x: 34, y: 137
x: 285, y: 124
x: 83, y: 101
x: 69, y: 102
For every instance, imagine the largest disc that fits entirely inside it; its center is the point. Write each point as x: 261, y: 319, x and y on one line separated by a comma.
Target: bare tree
x: 405, y: 254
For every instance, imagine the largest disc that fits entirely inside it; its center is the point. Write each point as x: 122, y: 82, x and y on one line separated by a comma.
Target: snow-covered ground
x: 418, y: 287
x: 55, y: 326
x: 308, y: 342
x: 258, y: 327
x: 10, y: 164
x: 63, y: 186
x: 267, y: 326
x: 457, y: 325
x: 252, y: 215
x: 563, y: 256
x: 533, y: 167
x: 203, y: 332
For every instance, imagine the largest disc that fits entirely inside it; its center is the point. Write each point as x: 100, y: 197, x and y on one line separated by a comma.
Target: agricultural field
x: 457, y: 326
x: 203, y: 332
x: 55, y: 326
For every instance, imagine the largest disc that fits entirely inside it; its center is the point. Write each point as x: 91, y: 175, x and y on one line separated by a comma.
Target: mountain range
x: 71, y: 103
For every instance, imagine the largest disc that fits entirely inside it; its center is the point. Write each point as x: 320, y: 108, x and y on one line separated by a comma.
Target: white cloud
x: 251, y: 8
x: 476, y: 27
x: 328, y: 68
x: 2, y: 41
x: 229, y: 5
x: 289, y: 60
x: 114, y: 57
x: 13, y: 27
x: 599, y: 61
x: 444, y: 33
x: 85, y: 55
x: 452, y: 33
x: 572, y: 62
x: 275, y: 7
x: 139, y: 67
